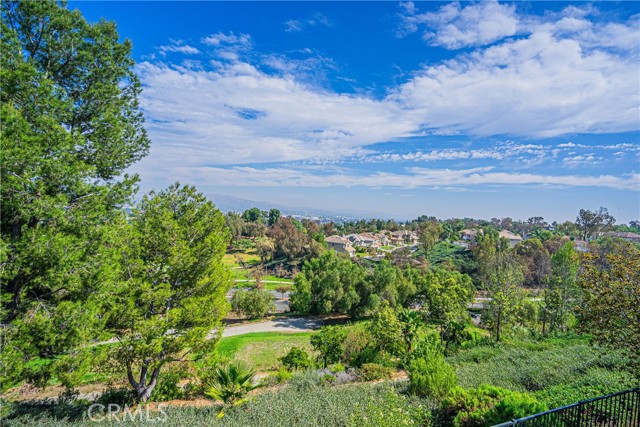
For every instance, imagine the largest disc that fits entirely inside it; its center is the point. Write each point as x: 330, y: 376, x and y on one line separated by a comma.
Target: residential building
x: 340, y: 245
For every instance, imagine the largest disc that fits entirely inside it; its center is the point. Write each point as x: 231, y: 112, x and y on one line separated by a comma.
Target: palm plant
x: 231, y: 383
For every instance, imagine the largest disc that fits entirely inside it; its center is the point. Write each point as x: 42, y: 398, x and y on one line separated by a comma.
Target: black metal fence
x: 620, y: 409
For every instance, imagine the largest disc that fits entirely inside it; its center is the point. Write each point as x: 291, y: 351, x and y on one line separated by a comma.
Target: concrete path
x: 284, y: 324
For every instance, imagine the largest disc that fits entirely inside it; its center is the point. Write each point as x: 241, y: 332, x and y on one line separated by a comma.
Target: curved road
x: 284, y: 324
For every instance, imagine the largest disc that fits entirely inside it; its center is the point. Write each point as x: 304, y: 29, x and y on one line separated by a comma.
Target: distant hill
x: 236, y: 204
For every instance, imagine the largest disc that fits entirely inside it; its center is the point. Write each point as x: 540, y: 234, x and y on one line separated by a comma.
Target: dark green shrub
x: 431, y: 376
x: 296, y: 358
x: 117, y: 395
x: 329, y: 342
x: 167, y: 388
x: 253, y: 304
x: 485, y: 406
x: 373, y: 372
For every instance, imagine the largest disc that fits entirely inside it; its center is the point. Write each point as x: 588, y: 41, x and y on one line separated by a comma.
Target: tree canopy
x: 171, y: 284
x: 70, y: 127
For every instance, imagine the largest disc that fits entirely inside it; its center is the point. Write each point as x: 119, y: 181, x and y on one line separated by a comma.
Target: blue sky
x: 470, y: 109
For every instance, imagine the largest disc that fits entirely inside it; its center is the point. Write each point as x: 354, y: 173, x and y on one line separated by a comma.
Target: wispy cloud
x: 227, y: 39
x: 414, y: 178
x: 315, y: 20
x: 178, y: 46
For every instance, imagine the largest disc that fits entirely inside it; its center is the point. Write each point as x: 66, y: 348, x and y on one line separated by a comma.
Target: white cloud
x: 291, y: 120
x: 544, y: 83
x: 536, y: 86
x: 497, y: 152
x: 455, y: 27
x: 178, y: 46
x: 415, y: 178
x: 316, y: 19
x: 582, y: 160
x: 228, y: 39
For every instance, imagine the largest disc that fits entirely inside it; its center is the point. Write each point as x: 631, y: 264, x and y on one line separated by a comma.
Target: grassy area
x: 262, y: 349
x: 231, y: 260
x: 558, y: 371
x: 268, y: 286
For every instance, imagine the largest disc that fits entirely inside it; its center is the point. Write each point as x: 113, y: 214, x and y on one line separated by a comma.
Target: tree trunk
x: 498, y: 324
x: 143, y: 390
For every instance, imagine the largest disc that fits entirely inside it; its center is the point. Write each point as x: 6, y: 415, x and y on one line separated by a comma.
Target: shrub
x: 431, y: 376
x: 119, y: 396
x: 232, y: 383
x: 296, y: 358
x: 253, y: 304
x: 329, y: 342
x: 391, y: 411
x: 337, y: 368
x: 283, y: 375
x: 167, y: 388
x: 486, y: 405
x: 373, y: 372
x: 358, y: 347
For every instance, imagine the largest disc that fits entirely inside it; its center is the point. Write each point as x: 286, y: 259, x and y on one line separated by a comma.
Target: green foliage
x: 373, y: 372
x: 562, y: 293
x: 171, y: 279
x: 231, y: 384
x: 255, y: 303
x: 327, y: 284
x: 431, y: 376
x: 568, y: 364
x: 429, y: 234
x: 168, y: 388
x: 70, y: 128
x: 504, y: 281
x: 329, y: 343
x: 392, y: 411
x: 386, y: 331
x: 296, y: 358
x: 611, y: 307
x: 485, y: 406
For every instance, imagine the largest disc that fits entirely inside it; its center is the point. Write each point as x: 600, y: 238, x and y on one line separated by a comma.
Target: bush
x: 167, y: 388
x: 329, y: 342
x: 119, y: 396
x: 373, y: 372
x: 296, y: 358
x: 336, y: 368
x: 431, y: 376
x: 252, y: 304
x: 232, y: 383
x: 486, y: 405
x: 358, y: 347
x: 391, y: 411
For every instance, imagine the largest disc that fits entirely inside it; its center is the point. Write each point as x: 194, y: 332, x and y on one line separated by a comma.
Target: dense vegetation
x: 96, y: 288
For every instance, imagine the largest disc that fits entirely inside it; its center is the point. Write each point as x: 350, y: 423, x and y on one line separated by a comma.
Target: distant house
x: 513, y: 239
x: 369, y: 240
x: 401, y: 237
x: 581, y: 245
x: 340, y: 245
x: 354, y: 239
x: 383, y: 239
x: 627, y: 235
x: 469, y: 236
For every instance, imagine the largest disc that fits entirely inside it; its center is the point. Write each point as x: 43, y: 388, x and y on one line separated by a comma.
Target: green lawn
x: 231, y: 260
x: 262, y: 349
